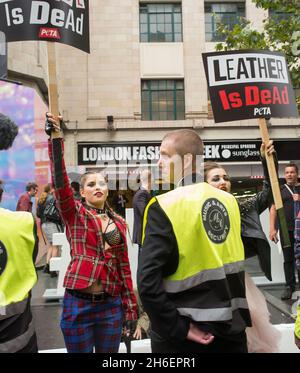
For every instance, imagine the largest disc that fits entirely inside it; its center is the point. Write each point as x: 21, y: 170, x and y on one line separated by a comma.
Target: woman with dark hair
x: 8, y: 132
x: 99, y: 293
x: 262, y: 336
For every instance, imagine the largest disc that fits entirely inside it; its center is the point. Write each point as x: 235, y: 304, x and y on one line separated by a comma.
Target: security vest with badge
x: 208, y: 285
x: 18, y: 245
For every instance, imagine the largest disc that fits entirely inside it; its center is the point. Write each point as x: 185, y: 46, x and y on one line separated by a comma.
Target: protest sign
x: 63, y: 21
x: 249, y: 84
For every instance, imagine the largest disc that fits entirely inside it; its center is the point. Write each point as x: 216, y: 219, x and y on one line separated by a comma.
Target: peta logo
x: 48, y: 32
x: 262, y: 111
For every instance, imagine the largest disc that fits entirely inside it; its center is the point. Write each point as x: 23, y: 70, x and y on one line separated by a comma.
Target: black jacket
x: 140, y: 201
x: 253, y: 236
x: 158, y: 259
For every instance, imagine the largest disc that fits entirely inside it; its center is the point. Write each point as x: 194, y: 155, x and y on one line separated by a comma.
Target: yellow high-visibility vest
x: 207, y: 226
x: 297, y: 324
x: 17, y: 239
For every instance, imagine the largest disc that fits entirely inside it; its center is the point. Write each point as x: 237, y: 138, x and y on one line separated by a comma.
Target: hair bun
x: 8, y: 132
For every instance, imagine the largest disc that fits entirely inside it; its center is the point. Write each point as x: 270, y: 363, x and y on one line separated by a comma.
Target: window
x: 162, y: 100
x: 160, y: 23
x: 225, y: 13
x: 278, y: 16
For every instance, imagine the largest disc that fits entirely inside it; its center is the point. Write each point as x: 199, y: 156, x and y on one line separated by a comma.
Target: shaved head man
x: 181, y: 155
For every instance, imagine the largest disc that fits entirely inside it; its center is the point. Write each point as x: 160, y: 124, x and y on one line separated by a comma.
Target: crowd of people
x: 193, y: 296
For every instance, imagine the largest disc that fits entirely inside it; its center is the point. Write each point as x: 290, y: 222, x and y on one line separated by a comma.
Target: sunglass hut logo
x: 41, y: 13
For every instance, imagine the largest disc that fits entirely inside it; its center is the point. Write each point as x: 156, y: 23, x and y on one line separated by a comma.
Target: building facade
x: 144, y: 77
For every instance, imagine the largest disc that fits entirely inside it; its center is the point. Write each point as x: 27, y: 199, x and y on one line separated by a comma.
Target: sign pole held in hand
x: 52, y: 84
x: 53, y: 108
x: 275, y: 184
x: 249, y: 84
x: 65, y: 22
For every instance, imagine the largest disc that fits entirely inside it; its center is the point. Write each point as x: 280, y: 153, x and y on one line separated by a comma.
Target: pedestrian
x: 18, y: 250
x: 99, y: 295
x: 297, y: 242
x: 51, y: 223
x: 290, y: 193
x: 191, y: 267
x: 262, y: 336
x: 139, y: 203
x: 297, y: 257
x: 25, y: 201
x: 119, y: 203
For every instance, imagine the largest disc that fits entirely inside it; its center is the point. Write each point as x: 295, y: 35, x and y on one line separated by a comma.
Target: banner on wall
x: 99, y: 154
x: 249, y: 84
x: 63, y: 21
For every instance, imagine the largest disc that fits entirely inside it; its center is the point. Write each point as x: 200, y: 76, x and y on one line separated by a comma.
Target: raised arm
x: 63, y: 191
x: 273, y: 231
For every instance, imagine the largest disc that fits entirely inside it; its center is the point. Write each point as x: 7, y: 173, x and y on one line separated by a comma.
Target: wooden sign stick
x: 52, y: 85
x: 53, y: 108
x: 274, y: 184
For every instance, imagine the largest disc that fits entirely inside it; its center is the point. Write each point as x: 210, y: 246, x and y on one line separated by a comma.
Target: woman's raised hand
x: 52, y: 124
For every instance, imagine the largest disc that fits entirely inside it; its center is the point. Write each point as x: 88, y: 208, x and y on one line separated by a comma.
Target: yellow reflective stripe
x: 297, y: 324
x: 19, y: 342
x: 145, y: 217
x: 214, y: 314
x: 175, y: 286
x: 13, y: 309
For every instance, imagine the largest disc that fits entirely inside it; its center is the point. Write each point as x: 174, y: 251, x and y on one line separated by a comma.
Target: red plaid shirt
x: 89, y: 260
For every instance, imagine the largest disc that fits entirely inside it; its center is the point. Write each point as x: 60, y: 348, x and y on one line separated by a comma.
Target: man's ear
x: 188, y: 161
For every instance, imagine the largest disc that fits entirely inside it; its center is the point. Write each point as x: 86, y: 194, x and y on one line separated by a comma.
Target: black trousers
x: 219, y: 345
x: 289, y: 261
x: 31, y: 346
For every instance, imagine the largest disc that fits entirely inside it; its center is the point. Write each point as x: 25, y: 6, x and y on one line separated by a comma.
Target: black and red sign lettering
x: 64, y: 21
x: 249, y: 84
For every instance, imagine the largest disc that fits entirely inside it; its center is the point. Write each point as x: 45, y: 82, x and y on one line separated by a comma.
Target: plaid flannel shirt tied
x: 89, y: 261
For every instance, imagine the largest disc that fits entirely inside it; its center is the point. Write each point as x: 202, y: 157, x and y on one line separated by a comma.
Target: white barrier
x: 122, y: 350
x: 59, y: 265
x: 287, y: 344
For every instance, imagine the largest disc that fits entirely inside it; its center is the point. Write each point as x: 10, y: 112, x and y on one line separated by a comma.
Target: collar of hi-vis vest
x: 19, y: 275
x: 190, y: 179
x: 206, y: 224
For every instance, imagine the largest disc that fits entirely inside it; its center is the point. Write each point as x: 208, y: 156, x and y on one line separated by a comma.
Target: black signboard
x: 3, y: 56
x: 99, y: 154
x: 249, y: 84
x: 248, y: 151
x: 219, y: 151
x: 63, y: 21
